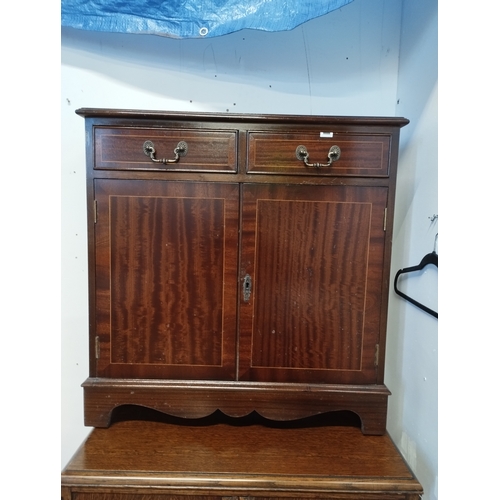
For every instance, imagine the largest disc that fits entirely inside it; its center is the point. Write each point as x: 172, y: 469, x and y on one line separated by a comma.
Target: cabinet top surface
x: 247, y: 456
x: 248, y: 118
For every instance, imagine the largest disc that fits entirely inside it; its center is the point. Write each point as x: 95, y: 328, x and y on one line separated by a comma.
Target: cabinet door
x: 166, y: 279
x: 315, y: 258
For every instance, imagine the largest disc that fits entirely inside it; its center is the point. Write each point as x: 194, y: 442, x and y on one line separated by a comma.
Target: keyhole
x: 247, y: 288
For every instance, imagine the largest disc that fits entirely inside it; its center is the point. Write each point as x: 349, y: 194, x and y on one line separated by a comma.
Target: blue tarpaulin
x: 192, y: 18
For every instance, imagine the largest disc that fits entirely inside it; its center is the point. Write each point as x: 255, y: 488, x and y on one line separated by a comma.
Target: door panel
x: 315, y: 255
x: 166, y: 265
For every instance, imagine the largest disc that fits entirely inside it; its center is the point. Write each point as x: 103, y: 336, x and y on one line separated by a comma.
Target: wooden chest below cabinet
x: 136, y: 460
x: 239, y: 263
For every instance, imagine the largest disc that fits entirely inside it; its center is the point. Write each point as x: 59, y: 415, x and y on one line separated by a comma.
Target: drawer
x: 360, y: 155
x: 156, y: 495
x: 120, y: 148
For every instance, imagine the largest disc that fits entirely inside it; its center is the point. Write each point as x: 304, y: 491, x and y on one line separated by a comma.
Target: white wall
x: 344, y: 63
x: 412, y: 351
x: 340, y: 63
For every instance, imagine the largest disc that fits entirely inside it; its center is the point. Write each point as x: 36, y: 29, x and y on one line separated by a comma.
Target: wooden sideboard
x: 239, y: 263
x: 237, y: 459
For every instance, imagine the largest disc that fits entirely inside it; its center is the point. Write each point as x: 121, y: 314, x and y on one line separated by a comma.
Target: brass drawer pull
x: 302, y: 154
x: 149, y: 150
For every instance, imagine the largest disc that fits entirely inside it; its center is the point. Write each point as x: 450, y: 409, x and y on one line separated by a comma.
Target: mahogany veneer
x: 137, y: 460
x: 243, y: 275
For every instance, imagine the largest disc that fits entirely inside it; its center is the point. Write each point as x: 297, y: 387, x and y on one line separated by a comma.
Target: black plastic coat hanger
x: 430, y: 258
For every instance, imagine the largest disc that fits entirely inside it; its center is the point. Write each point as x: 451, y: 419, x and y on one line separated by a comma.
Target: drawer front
x: 123, y: 494
x: 123, y: 149
x: 360, y: 155
x: 158, y: 495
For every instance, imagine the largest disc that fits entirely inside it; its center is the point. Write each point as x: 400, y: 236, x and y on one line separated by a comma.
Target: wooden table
x: 236, y: 460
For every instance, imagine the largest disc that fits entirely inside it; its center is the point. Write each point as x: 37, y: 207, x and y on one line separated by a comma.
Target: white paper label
x: 326, y: 134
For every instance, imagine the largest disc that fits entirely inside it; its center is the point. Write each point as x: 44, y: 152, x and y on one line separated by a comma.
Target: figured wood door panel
x: 166, y: 266
x: 315, y: 256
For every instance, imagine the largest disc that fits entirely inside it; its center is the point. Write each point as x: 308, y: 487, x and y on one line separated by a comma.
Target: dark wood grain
x: 289, y: 120
x: 316, y: 254
x: 122, y: 149
x: 170, y: 246
x: 195, y: 399
x: 164, y: 253
x: 232, y: 459
x: 366, y: 155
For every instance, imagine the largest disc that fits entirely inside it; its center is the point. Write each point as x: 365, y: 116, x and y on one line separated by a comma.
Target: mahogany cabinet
x: 239, y: 263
